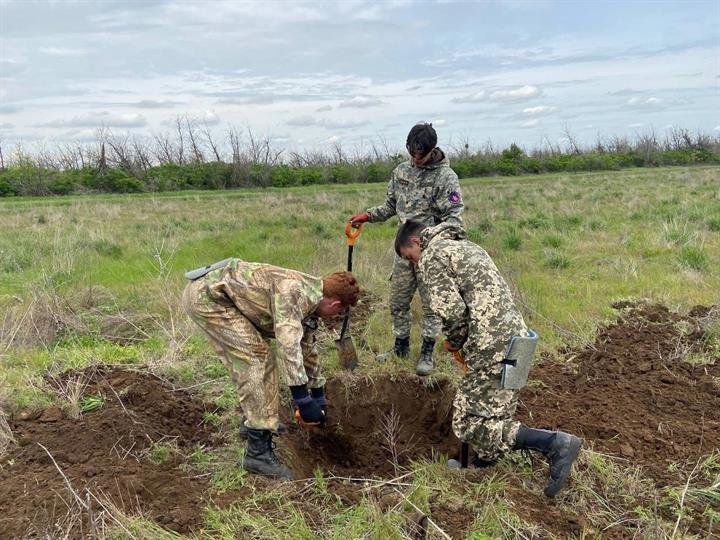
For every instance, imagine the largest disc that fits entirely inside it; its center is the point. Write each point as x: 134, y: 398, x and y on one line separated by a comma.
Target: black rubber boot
x: 424, y: 364
x: 402, y: 347
x: 260, y: 457
x: 560, y: 448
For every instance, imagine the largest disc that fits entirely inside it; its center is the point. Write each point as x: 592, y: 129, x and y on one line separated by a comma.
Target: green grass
x: 568, y: 245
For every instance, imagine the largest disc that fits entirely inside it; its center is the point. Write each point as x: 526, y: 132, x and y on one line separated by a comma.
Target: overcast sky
x: 353, y: 71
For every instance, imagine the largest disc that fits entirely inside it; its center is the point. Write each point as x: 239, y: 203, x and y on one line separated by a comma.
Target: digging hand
x: 318, y: 394
x: 307, y: 411
x: 359, y: 219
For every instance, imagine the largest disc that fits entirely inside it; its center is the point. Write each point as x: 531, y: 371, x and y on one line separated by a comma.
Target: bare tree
x: 2, y: 159
x: 163, y: 149
x: 180, y: 141
x: 571, y: 140
x: 211, y: 142
x: 191, y: 127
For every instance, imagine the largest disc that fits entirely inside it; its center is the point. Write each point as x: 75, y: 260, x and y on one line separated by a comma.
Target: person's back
x: 492, y: 311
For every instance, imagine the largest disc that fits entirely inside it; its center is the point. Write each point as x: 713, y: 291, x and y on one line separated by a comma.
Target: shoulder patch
x: 454, y: 197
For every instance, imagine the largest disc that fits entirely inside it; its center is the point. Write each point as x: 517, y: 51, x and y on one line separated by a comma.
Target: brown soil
x: 628, y: 394
x: 632, y: 396
x: 105, y: 451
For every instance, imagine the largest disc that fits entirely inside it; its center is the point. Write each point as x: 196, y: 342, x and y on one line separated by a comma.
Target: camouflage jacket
x: 280, y: 303
x: 429, y: 194
x: 466, y: 289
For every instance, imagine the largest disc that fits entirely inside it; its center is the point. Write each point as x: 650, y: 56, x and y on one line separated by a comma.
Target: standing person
x: 427, y: 190
x: 480, y: 319
x: 241, y: 306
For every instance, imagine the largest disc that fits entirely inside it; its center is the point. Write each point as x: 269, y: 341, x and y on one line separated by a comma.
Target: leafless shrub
x: 6, y: 436
x: 390, y: 429
x: 70, y: 390
x: 40, y: 321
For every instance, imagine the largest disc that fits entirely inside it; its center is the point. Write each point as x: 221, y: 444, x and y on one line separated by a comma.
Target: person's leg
x: 402, y: 289
x: 483, y: 411
x: 431, y: 328
x: 483, y: 418
x: 253, y: 370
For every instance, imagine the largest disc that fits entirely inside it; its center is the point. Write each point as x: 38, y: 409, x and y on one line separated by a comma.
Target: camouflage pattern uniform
x: 478, y: 313
x: 241, y: 307
x: 431, y: 195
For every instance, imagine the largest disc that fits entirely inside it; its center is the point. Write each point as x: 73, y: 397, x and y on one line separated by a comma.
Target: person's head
x: 340, y: 291
x: 421, y: 141
x: 407, y: 241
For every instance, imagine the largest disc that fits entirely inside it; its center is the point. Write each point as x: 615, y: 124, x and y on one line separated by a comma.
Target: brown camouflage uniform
x: 241, y: 307
x: 467, y: 291
x: 429, y: 194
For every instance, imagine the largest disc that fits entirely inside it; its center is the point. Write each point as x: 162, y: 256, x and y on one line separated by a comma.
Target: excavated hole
x: 376, y: 427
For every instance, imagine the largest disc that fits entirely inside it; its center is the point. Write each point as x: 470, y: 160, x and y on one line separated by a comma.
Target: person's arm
x: 448, y: 198
x: 445, y: 298
x: 386, y: 210
x: 311, y: 361
x: 289, y: 331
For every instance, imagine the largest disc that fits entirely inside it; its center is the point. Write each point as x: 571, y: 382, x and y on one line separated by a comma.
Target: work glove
x: 309, y: 411
x: 359, y: 219
x: 318, y: 394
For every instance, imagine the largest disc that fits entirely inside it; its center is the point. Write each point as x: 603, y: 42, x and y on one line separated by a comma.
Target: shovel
x: 345, y: 346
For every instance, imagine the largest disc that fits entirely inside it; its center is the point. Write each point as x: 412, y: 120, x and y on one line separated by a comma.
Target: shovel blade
x: 347, y: 353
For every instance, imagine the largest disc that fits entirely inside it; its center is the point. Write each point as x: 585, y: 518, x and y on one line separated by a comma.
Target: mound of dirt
x: 106, y: 452
x: 374, y: 426
x: 632, y: 392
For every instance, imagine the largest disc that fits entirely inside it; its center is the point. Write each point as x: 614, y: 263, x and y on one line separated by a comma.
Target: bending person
x: 241, y: 306
x: 481, y: 321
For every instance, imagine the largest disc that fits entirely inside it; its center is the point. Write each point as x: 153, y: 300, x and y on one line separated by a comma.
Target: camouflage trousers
x: 244, y: 352
x: 403, y: 283
x: 483, y: 415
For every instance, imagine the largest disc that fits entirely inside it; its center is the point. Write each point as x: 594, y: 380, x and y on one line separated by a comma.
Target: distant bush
x: 27, y: 176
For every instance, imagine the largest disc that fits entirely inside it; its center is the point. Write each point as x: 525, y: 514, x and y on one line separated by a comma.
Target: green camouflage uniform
x: 431, y: 195
x: 241, y: 307
x: 476, y: 306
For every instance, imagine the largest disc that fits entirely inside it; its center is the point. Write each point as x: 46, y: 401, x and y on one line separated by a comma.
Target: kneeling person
x: 241, y: 306
x: 480, y: 319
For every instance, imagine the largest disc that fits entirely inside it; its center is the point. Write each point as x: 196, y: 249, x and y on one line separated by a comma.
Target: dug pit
x: 375, y: 427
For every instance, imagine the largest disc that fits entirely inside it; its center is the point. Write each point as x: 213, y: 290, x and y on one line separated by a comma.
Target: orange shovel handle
x: 352, y: 232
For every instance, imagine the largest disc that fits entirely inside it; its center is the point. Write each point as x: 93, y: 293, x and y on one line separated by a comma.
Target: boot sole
x: 573, y: 452
x: 257, y: 470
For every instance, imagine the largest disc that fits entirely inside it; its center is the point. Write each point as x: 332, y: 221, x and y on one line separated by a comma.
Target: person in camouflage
x: 479, y: 319
x: 241, y: 306
x: 427, y: 190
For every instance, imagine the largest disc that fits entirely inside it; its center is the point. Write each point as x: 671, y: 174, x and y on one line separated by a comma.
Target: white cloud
x: 636, y: 125
x: 717, y: 128
x: 539, y: 110
x: 308, y: 120
x: 438, y: 122
x: 644, y: 102
x: 6, y: 125
x: 210, y: 118
x: 471, y: 98
x: 519, y: 93
x: 530, y: 123
x: 96, y: 120
x: 516, y: 94
x: 361, y: 102
x: 156, y: 104
x: 324, y: 108
x: 63, y: 51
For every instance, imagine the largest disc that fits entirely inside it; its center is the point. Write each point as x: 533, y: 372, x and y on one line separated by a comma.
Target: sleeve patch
x: 454, y: 197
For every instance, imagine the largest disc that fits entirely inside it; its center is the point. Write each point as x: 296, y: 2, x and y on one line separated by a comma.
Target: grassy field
x: 97, y: 279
